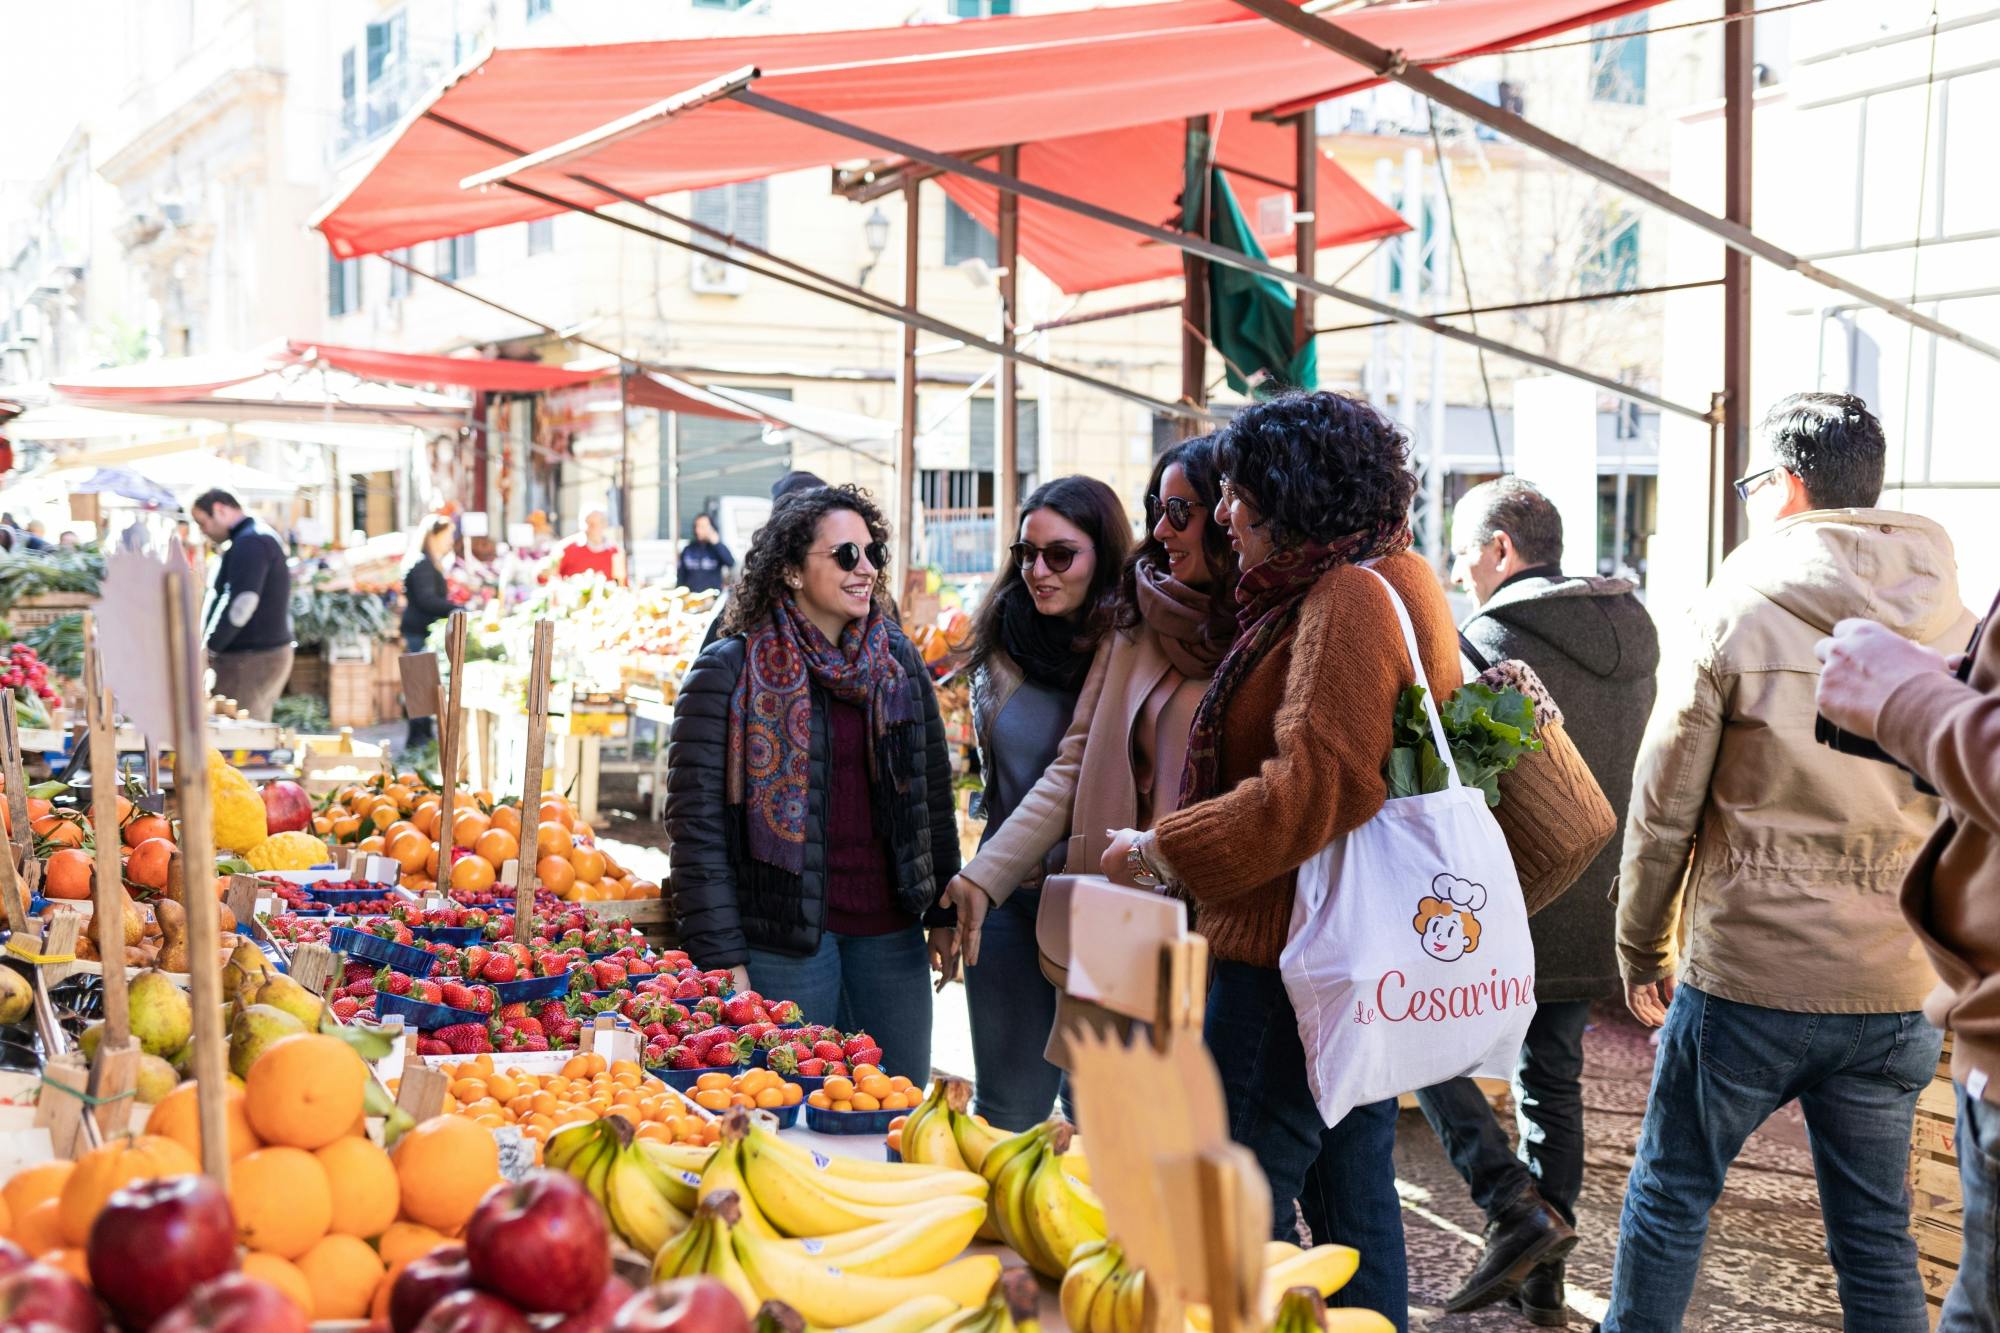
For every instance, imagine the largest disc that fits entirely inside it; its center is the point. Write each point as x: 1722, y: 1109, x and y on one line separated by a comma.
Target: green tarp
x: 1249, y: 315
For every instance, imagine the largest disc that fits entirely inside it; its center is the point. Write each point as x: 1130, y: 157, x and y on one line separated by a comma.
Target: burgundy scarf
x: 1268, y: 598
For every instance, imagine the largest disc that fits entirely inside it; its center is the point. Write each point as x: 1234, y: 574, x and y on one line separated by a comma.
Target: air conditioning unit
x: 716, y: 277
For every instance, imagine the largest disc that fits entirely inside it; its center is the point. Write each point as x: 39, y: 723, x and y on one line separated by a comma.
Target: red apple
x: 684, y: 1305
x: 597, y: 1316
x: 542, y: 1243
x: 234, y: 1303
x: 156, y: 1241
x: 473, y: 1311
x: 287, y: 808
x: 43, y: 1293
x: 12, y: 1257
x: 424, y: 1282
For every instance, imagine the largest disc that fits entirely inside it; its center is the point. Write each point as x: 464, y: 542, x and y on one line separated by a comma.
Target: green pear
x: 257, y: 1026
x: 281, y: 992
x: 88, y: 1041
x: 246, y: 970
x: 162, y: 1018
x: 156, y: 1078
x: 17, y: 997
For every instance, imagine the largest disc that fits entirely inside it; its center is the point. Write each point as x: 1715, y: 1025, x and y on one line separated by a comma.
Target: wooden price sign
x: 117, y: 1063
x: 17, y: 886
x: 531, y: 781
x: 451, y: 736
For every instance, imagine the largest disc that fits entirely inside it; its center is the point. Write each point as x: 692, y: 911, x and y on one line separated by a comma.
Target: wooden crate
x: 350, y: 694
x: 308, y: 674
x: 1937, y: 1205
x: 46, y: 608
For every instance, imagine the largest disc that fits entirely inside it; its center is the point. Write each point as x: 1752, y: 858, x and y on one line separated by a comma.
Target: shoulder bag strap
x: 1417, y: 665
x: 1472, y: 654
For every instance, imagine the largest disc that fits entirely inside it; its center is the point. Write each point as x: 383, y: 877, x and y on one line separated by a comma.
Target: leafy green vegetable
x: 324, y: 615
x: 1488, y: 731
x: 25, y: 574
x: 301, y: 712
x: 60, y: 645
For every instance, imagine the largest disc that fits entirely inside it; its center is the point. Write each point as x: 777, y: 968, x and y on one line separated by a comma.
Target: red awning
x: 957, y: 87
x: 664, y: 393
x: 486, y: 373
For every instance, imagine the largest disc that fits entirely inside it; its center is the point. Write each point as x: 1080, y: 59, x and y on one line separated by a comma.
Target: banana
x: 927, y: 1135
x: 724, y: 1174
x: 567, y: 1142
x: 1093, y: 1265
x: 686, y: 1254
x: 915, y: 1315
x: 1274, y: 1250
x: 831, y: 1298
x: 1129, y: 1309
x: 848, y: 1168
x: 1057, y: 1217
x: 1102, y: 1316
x: 974, y: 1138
x: 1300, y: 1310
x: 927, y: 1239
x: 680, y: 1185
x: 891, y: 1192
x: 723, y: 1263
x: 797, y: 1205
x: 1075, y: 1162
x: 1010, y: 1167
x: 704, y: 1249
x: 639, y: 1211
x: 1350, y: 1320
x: 1325, y: 1268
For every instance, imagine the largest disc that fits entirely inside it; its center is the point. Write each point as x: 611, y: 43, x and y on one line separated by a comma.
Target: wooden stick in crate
x: 190, y: 702
x: 21, y: 886
x: 531, y: 784
x: 448, y: 744
x: 117, y: 1063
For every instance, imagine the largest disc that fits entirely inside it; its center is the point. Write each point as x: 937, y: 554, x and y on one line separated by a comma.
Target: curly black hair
x: 1196, y: 459
x: 782, y: 543
x: 1318, y: 466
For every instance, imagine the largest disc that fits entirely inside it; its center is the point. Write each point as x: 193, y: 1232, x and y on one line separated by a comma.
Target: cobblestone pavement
x: 1765, y: 1269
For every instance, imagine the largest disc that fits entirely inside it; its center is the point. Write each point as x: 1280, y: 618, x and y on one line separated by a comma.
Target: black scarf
x: 1044, y: 647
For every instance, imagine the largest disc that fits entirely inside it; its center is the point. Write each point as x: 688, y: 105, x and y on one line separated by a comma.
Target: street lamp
x: 876, y: 232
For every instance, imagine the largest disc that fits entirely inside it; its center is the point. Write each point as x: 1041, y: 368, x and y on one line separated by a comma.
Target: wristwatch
x: 1138, y: 870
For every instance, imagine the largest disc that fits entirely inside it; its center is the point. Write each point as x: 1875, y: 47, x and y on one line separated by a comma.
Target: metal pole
x: 906, y: 390
x: 670, y: 422
x: 1007, y: 404
x: 1378, y: 342
x: 1194, y: 278
x: 1739, y: 83
x: 1305, y: 224
x: 625, y: 474
x: 1412, y: 300
x: 1396, y: 66
x: 1434, y: 494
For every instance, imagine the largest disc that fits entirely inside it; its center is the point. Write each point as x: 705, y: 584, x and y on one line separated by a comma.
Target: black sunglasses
x: 1180, y: 511
x: 1058, y: 556
x: 848, y: 555
x: 1745, y: 485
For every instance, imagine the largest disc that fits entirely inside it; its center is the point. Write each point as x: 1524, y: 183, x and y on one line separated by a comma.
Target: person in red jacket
x: 593, y: 552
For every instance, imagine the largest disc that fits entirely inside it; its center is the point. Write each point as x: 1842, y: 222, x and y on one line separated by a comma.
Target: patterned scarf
x: 1268, y: 598
x: 770, y: 720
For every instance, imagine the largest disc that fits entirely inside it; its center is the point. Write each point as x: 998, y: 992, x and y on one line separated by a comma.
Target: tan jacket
x: 1089, y: 788
x: 1950, y: 733
x: 1785, y: 857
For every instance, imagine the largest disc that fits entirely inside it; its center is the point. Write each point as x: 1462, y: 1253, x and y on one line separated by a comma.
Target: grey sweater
x: 1594, y: 646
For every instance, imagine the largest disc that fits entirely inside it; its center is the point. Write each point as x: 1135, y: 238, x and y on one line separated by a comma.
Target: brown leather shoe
x: 1526, y: 1235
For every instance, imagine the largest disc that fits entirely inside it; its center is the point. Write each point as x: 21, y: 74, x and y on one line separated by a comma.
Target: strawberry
x: 550, y: 963
x: 653, y: 1032
x: 837, y: 1069
x: 426, y: 992
x: 688, y: 990
x: 484, y: 998
x: 608, y: 974
x: 814, y: 1068
x: 392, y: 981
x: 508, y: 1013
x: 464, y: 1038
x: 680, y: 1030
x: 860, y: 1041
x: 680, y: 1057
x: 867, y: 1055
x: 432, y: 1046
x: 827, y: 1050
x: 727, y: 1053
x: 550, y: 1009
x: 738, y: 1009
x: 531, y: 1026
x: 674, y: 1013
x: 710, y: 986
x: 782, y: 1060
x: 346, y: 1009
x: 769, y: 1038
x: 711, y: 1006
x: 499, y: 967
x: 455, y: 995
x: 786, y: 1013
x: 356, y: 971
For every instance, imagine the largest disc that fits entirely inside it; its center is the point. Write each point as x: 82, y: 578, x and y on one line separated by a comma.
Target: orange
x: 497, y: 845
x: 282, y: 1274
x: 713, y: 1079
x: 425, y: 817
x: 176, y: 1118
x: 6, y: 1219
x: 468, y: 1090
x: 837, y: 1088
x: 588, y: 863
x: 819, y: 1099
x: 555, y: 873
x: 466, y: 826
x: 446, y: 1165
x: 40, y: 1228
x: 554, y: 809
x: 645, y: 888
x: 875, y: 1085
x: 770, y: 1098
x: 282, y: 1200
x: 793, y: 1092
x: 144, y: 827
x: 366, y: 1194
x: 404, y: 1241
x: 147, y: 866
x: 71, y: 1260
x: 410, y: 850
x: 343, y: 1273
x: 68, y: 874
x: 504, y: 1088
x: 102, y: 1171
x: 474, y: 873
x: 38, y: 1184
x: 552, y: 839
x: 507, y: 819
x: 305, y: 1090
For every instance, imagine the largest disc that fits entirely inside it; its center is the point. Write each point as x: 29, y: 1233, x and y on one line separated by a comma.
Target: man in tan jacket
x: 1800, y: 980
x: 1942, y: 719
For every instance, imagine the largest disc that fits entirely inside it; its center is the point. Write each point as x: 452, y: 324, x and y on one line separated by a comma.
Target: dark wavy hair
x: 1318, y: 466
x: 1832, y: 443
x: 782, y: 543
x: 1096, y: 511
x: 1196, y: 458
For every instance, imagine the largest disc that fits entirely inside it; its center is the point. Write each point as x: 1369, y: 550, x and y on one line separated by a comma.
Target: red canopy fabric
x: 664, y: 393
x: 467, y: 372
x: 958, y: 87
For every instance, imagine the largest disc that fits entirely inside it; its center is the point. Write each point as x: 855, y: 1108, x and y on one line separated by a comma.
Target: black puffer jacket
x: 719, y: 920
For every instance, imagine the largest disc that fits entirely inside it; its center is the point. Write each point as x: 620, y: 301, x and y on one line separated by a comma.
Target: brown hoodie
x: 1950, y: 733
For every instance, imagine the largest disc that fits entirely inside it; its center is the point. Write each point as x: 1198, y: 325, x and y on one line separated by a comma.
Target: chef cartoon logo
x: 1447, y: 918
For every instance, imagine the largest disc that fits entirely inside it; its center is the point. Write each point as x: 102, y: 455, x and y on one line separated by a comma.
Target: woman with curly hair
x: 1120, y: 761
x: 1286, y: 752
x: 1032, y: 646
x: 809, y: 790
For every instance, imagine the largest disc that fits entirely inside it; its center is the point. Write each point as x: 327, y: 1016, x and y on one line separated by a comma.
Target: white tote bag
x: 1409, y: 960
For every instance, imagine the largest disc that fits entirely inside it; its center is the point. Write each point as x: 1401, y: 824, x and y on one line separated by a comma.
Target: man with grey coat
x: 1592, y: 643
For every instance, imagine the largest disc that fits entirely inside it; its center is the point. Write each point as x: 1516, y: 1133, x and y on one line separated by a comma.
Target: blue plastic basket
x: 320, y: 909
x: 404, y: 958
x: 348, y: 897
x: 531, y: 988
x: 456, y: 936
x: 421, y: 1016
x: 786, y: 1116
x: 683, y: 1080
x: 822, y: 1121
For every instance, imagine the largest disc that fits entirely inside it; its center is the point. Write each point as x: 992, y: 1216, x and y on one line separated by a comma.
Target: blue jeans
x: 1723, y: 1068
x: 1013, y: 1010
x: 1548, y: 1101
x: 1342, y: 1177
x: 1974, y: 1303
x: 878, y: 984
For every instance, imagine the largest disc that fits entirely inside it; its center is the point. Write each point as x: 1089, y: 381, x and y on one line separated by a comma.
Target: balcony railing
x: 959, y: 541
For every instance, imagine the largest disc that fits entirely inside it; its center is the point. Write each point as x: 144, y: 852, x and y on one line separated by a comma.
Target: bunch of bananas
x: 1101, y: 1294
x: 943, y: 1132
x: 1037, y: 1204
x: 647, y: 1188
x: 816, y: 1281
x: 1011, y: 1307
x: 1303, y: 1310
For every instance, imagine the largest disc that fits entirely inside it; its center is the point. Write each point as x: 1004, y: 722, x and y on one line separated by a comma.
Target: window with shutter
x: 965, y: 238
x: 541, y: 236
x: 741, y: 211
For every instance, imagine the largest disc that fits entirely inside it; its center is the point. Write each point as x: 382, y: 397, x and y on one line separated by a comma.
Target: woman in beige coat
x: 1119, y: 765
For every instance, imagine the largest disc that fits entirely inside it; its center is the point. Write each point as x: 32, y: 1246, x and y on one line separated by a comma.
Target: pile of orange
x: 587, y: 1089
x: 868, y: 1090
x: 753, y: 1088
x: 326, y: 1215
x: 399, y: 818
